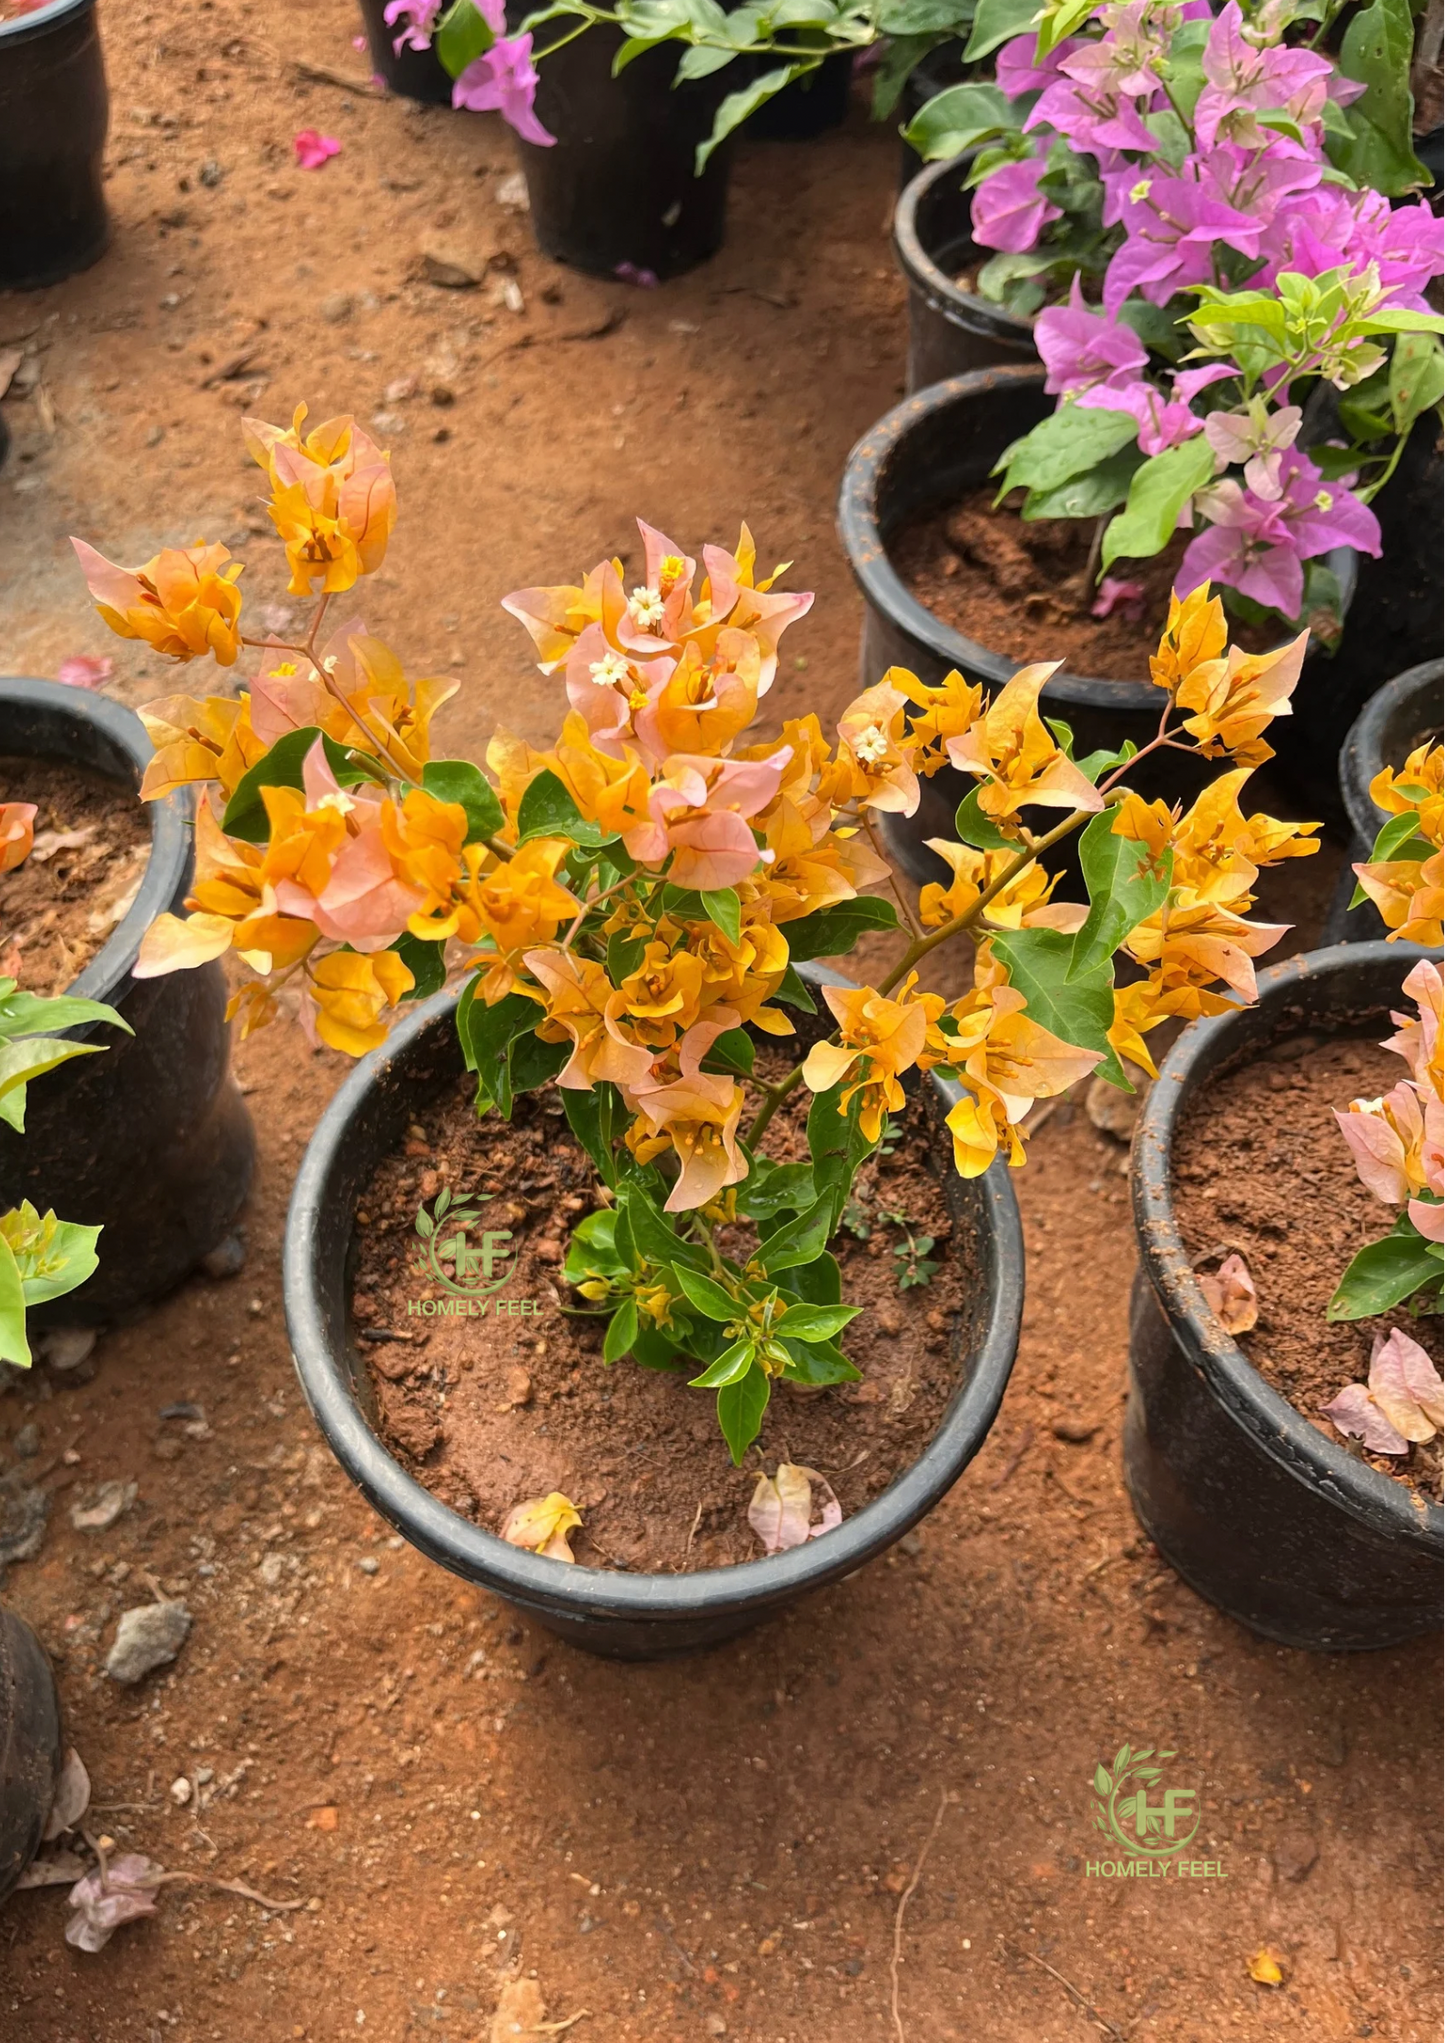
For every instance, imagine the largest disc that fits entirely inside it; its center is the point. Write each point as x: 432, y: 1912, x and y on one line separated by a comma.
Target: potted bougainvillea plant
x: 621, y: 917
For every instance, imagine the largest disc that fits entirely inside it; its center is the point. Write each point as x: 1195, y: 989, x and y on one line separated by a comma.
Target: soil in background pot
x: 1261, y: 1167
x: 92, y: 840
x: 1025, y: 589
x: 488, y: 1411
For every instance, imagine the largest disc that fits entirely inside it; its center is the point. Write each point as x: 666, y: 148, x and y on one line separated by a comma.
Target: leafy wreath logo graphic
x: 1123, y: 1811
x: 451, y: 1259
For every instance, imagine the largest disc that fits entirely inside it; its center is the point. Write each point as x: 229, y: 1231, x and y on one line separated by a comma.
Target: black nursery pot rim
x: 24, y: 26
x: 884, y: 588
x: 1281, y: 1432
x: 170, y: 850
x: 471, y: 1551
x: 916, y: 262
x: 1364, y: 747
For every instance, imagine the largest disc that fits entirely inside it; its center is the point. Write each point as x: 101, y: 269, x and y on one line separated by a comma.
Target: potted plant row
x: 152, y: 1141
x: 1394, y: 738
x: 627, y: 1175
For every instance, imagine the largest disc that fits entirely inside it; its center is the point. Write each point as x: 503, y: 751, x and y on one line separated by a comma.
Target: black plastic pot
x: 808, y: 107
x: 950, y: 330
x: 414, y: 74
x: 1255, y: 1507
x: 1396, y: 719
x: 926, y: 453
x: 623, y: 1616
x: 54, y: 111
x: 617, y: 187
x: 32, y: 1746
x: 151, y: 1139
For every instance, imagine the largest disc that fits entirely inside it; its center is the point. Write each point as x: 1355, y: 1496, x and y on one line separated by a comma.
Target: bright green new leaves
x: 40, y: 1258
x: 1326, y: 326
x: 26, y: 1052
x: 732, y: 113
x: 1125, y: 889
x: 1067, y: 443
x: 1158, y: 492
x: 1060, y: 18
x: 1377, y: 147
x: 740, y: 1409
x: 283, y: 766
x: 960, y: 119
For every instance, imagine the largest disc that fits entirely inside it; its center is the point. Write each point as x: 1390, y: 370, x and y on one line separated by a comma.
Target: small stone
x: 211, y: 174
x: 888, y: 1320
x: 1076, y: 1431
x: 448, y: 271
x: 442, y: 395
x: 512, y: 193
x: 1114, y: 1112
x: 1296, y: 1856
x: 271, y: 1570
x: 102, y: 1510
x: 23, y: 1513
x: 27, y: 1441
x: 180, y: 1791
x: 336, y: 307
x: 911, y: 1544
x: 549, y: 1249
x: 226, y: 1259
x: 146, y: 1638
x: 166, y: 1450
x: 714, y: 2025
x: 369, y: 1564
x: 519, y: 1386
x: 66, y: 1347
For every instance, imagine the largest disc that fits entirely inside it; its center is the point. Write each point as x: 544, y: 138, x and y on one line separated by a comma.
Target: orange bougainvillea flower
x: 888, y: 1035
x: 369, y: 705
x: 233, y: 906
x: 197, y: 740
x: 874, y: 766
x: 1410, y: 895
x: 1235, y: 699
x: 333, y: 500
x: 1013, y: 755
x: 940, y: 713
x: 1417, y: 785
x: 1195, y: 634
x: 17, y: 833
x: 345, y: 995
x: 576, y: 993
x: 424, y: 837
x: 1005, y: 1060
x: 184, y: 602
x: 519, y: 901
x: 1023, y: 905
x: 697, y: 1116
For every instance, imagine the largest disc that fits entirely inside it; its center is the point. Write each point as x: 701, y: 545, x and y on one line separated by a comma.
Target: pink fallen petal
x: 102, y: 1902
x: 1126, y: 597
x: 358, y: 42
x: 82, y: 671
x: 1231, y: 1295
x: 629, y: 273
x: 782, y: 1507
x: 1355, y: 1414
x: 1406, y: 1386
x: 312, y: 150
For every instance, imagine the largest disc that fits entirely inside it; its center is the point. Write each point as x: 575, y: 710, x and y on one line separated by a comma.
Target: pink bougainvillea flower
x: 1163, y: 422
x: 418, y: 18
x: 82, y: 671
x: 1009, y: 212
x: 1125, y: 597
x: 1404, y: 1401
x: 1257, y: 438
x: 504, y: 80
x: 1243, y: 79
x: 1018, y: 70
x: 1418, y: 1041
x: 1258, y: 547
x: 698, y: 813
x: 313, y: 150
x: 1081, y: 348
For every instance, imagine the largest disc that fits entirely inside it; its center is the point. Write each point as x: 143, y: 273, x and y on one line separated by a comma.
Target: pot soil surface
x: 1261, y: 1167
x: 488, y: 1411
x: 1026, y: 589
x: 92, y: 840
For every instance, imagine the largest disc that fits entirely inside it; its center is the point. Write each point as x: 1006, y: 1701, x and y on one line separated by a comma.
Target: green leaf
x: 709, y: 1298
x: 33, y: 1014
x: 31, y: 1058
x: 960, y: 119
x: 1124, y: 890
x: 592, y: 1117
x: 621, y: 1332
x: 772, y: 1188
x: 740, y: 1408
x: 917, y: 17
x: 457, y: 780
x: 547, y: 810
x: 624, y: 954
x: 1376, y: 50
x: 592, y: 1251
x: 725, y: 910
x: 837, y: 1145
x: 1155, y: 325
x: 701, y: 62
x: 1088, y: 495
x: 490, y: 1034
x: 738, y: 105
x: 1158, y: 492
x: 13, y: 1345
x: 425, y: 961
x: 733, y: 1363
x: 461, y: 36
x: 1081, y: 1011
x: 1066, y: 443
x: 1416, y: 378
x: 652, y: 1232
x: 69, y: 1258
x: 733, y: 1050
x: 831, y: 932
x: 818, y: 1362
x: 819, y: 1282
x: 806, y: 1236
x: 1060, y: 19
x: 1384, y: 1275
x: 816, y: 1322
x: 282, y: 766
x: 901, y: 54
x: 1185, y: 75
x: 532, y: 1062
x: 794, y: 991
x: 996, y: 22
x: 974, y: 827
